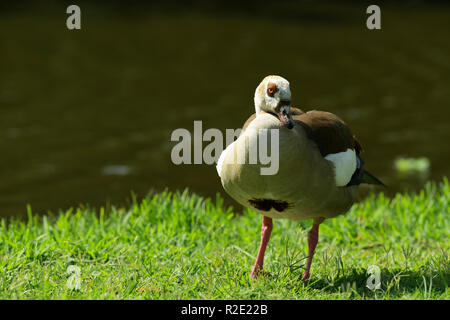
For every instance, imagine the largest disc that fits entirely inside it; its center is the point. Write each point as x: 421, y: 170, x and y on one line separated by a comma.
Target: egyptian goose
x: 319, y: 165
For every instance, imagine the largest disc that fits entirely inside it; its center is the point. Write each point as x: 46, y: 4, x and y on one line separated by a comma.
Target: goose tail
x: 369, y: 178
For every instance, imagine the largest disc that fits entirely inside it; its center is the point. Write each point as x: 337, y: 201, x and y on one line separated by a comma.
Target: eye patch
x: 271, y: 89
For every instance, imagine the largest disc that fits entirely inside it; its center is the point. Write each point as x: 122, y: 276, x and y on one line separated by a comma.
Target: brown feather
x: 358, y: 146
x: 328, y: 131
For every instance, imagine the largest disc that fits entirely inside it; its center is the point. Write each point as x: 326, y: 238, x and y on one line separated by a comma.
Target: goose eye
x: 271, y: 89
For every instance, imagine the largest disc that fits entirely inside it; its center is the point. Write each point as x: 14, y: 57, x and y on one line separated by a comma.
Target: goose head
x: 273, y: 95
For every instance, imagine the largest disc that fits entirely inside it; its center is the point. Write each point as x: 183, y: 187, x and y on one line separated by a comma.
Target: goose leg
x: 313, y: 238
x: 266, y: 230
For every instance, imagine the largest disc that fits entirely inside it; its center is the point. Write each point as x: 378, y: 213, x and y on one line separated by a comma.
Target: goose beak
x: 283, y: 113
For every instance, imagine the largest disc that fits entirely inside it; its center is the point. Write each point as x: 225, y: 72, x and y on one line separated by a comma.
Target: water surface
x: 86, y: 116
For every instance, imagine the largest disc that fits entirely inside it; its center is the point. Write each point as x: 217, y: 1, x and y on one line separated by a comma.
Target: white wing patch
x: 222, y: 158
x: 344, y: 165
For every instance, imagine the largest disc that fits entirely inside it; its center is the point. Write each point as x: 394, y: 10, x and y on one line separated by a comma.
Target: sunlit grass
x: 181, y: 246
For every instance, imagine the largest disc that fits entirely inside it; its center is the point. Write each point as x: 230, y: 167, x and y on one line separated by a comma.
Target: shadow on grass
x: 394, y: 283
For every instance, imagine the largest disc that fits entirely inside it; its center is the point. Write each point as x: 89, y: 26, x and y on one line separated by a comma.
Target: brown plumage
x: 328, y: 131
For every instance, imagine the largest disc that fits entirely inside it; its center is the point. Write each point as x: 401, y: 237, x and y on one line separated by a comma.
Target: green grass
x: 181, y: 246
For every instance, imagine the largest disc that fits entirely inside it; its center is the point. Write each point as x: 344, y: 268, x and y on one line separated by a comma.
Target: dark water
x: 86, y: 116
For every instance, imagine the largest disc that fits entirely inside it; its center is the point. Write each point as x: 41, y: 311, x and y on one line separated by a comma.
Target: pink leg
x: 313, y: 237
x: 266, y: 230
